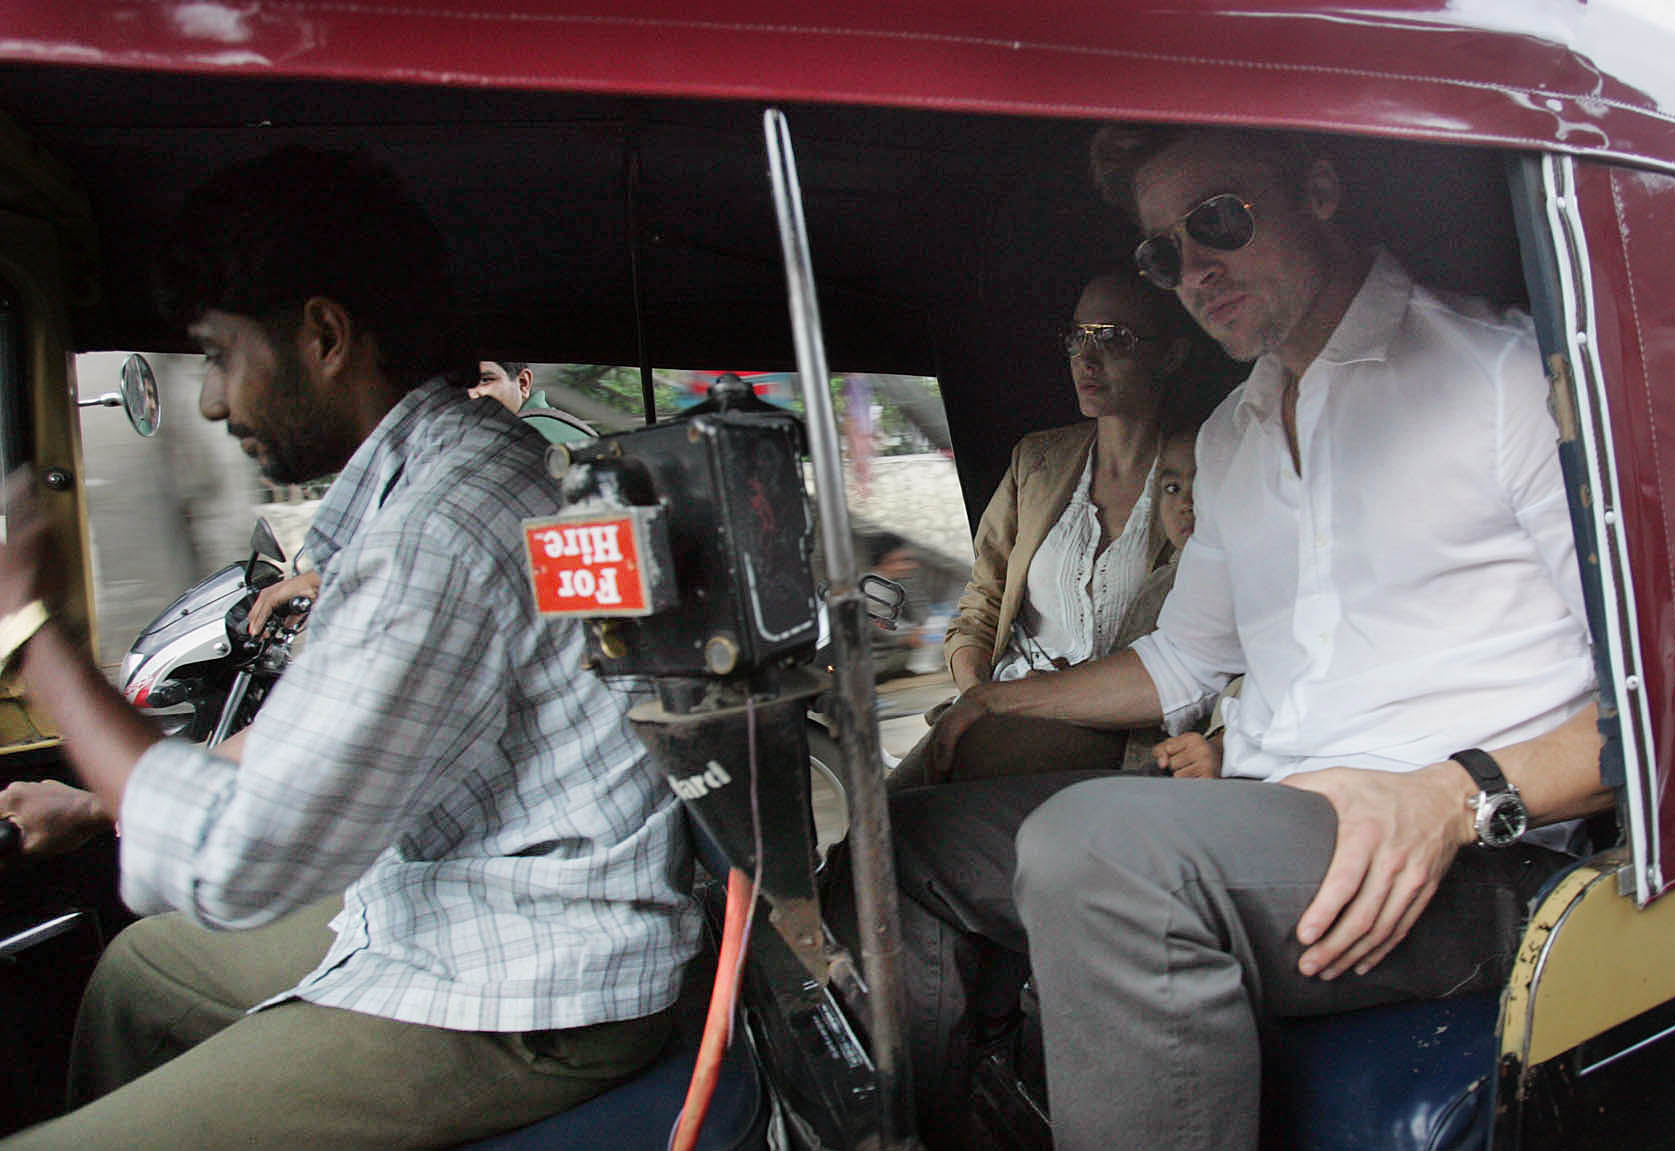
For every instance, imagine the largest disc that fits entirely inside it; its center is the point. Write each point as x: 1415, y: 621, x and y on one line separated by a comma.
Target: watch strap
x: 20, y: 627
x: 1483, y: 769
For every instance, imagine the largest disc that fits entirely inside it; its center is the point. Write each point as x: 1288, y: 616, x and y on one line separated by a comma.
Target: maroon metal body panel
x: 1628, y: 218
x: 1575, y: 75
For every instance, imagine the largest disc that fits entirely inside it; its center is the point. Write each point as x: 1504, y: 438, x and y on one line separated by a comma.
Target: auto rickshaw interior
x: 605, y: 230
x: 601, y: 229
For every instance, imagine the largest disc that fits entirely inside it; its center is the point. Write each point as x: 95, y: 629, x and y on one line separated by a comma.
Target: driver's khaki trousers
x: 165, y: 1056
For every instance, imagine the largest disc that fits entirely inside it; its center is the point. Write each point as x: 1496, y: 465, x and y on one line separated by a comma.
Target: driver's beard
x: 306, y: 436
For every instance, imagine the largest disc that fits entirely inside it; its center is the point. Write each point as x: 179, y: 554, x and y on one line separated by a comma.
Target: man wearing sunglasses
x: 1383, y: 549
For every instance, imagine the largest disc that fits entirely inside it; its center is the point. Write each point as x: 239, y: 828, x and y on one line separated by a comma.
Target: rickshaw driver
x: 512, y: 872
x: 1383, y: 547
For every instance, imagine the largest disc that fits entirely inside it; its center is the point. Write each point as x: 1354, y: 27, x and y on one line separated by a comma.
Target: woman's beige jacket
x: 1043, y: 474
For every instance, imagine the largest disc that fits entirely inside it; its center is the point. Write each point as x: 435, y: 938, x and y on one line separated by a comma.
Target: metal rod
x: 869, y: 817
x: 631, y: 205
x: 229, y: 710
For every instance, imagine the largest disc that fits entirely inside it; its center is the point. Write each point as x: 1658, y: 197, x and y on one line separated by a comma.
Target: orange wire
x: 718, y: 1024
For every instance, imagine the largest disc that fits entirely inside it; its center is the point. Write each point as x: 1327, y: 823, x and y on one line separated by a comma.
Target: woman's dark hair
x: 262, y: 237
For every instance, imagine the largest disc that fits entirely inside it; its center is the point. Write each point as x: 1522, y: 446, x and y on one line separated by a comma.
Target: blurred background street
x: 166, y: 511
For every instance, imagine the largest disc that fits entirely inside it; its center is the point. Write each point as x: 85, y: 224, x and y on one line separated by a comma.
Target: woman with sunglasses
x: 1072, y: 535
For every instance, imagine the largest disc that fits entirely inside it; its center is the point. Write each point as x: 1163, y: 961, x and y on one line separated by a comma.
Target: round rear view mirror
x: 139, y: 395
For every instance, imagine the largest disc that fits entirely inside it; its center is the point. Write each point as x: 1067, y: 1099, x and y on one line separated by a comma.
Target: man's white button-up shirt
x: 1414, y: 591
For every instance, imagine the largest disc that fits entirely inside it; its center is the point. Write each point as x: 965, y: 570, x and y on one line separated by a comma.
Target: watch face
x: 1501, y: 819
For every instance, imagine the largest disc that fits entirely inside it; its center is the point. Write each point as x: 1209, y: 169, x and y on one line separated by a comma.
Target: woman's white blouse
x: 1076, y: 594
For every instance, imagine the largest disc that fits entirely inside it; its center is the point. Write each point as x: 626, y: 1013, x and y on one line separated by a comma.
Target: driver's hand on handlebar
x: 54, y: 817
x: 272, y: 598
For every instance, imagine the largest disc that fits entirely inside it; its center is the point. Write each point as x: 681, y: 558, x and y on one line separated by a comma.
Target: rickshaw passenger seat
x: 1407, y: 1077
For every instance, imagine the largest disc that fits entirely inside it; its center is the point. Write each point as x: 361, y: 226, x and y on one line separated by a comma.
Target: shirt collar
x: 1364, y: 334
x: 376, y: 468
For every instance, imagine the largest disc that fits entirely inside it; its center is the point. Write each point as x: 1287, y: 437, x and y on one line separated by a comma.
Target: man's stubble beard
x: 306, y: 436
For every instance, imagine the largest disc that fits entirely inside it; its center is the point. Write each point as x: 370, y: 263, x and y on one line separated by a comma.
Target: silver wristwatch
x: 1501, y: 817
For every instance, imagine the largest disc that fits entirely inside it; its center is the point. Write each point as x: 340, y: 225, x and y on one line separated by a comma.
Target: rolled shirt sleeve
x: 353, y: 737
x: 1195, y: 649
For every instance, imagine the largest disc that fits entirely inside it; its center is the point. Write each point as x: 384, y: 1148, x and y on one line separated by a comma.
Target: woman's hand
x: 272, y: 597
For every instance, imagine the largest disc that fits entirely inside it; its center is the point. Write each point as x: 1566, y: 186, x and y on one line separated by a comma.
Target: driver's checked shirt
x: 512, y: 860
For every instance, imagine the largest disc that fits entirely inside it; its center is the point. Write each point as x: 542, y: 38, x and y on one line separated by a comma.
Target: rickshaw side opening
x: 975, y: 230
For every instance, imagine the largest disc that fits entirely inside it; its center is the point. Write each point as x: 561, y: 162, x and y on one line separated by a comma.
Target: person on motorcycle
x: 513, y: 918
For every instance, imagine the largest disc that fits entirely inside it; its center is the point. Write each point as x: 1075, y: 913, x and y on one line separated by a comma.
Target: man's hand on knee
x: 950, y: 727
x: 1397, y: 834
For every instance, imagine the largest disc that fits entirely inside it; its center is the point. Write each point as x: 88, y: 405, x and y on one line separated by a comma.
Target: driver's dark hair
x: 263, y: 236
x: 511, y: 367
x: 1118, y: 151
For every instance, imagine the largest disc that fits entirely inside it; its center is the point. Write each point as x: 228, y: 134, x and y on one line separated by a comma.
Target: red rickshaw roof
x: 1587, y: 76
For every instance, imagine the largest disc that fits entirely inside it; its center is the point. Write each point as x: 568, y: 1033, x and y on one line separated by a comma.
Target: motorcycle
x: 196, y: 669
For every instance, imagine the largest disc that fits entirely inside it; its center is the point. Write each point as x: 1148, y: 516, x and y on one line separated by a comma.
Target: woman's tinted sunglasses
x: 1114, y: 339
x: 1223, y: 223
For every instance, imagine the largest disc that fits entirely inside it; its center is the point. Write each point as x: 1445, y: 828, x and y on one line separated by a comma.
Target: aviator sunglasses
x: 1223, y: 223
x: 1116, y: 339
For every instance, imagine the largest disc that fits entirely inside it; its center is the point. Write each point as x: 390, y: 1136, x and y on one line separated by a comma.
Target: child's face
x: 1175, y: 468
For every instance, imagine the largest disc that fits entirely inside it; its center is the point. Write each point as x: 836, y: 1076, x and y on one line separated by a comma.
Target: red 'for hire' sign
x: 586, y: 567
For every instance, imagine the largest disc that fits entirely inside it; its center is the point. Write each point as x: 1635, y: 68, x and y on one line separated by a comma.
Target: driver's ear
x: 326, y: 334
x: 526, y: 381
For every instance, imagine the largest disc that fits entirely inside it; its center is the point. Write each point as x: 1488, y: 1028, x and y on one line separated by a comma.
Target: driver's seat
x: 640, y: 1114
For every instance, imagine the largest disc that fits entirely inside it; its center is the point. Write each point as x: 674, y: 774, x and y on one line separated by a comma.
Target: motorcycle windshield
x: 213, y: 594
